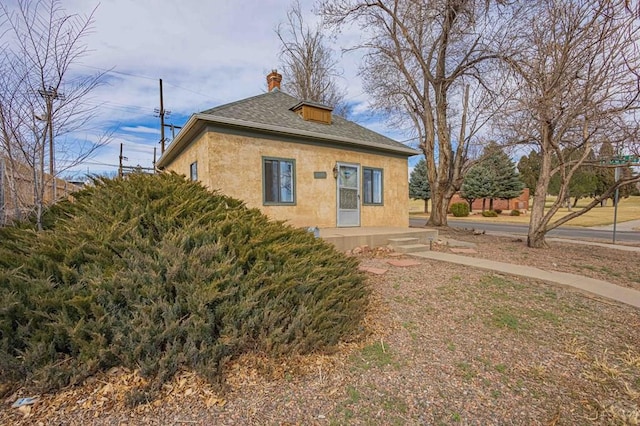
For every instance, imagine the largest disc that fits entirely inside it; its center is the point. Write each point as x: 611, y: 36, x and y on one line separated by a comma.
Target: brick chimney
x: 273, y: 80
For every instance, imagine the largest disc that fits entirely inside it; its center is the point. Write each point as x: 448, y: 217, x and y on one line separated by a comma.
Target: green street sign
x: 633, y: 160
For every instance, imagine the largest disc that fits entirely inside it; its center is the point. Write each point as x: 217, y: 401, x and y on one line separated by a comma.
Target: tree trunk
x: 426, y: 205
x: 484, y: 204
x: 470, y: 205
x: 538, y: 221
x: 537, y: 233
x: 491, y: 204
x: 439, y: 207
x: 575, y: 202
x: 536, y: 239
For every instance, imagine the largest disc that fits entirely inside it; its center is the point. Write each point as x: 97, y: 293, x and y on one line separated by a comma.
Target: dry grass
x: 446, y: 344
x: 628, y: 209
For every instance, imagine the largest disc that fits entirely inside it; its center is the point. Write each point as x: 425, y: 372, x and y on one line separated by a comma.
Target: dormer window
x: 311, y: 111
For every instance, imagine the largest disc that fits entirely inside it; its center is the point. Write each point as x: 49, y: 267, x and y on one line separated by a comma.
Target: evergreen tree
x: 583, y: 183
x: 627, y: 190
x: 605, y: 176
x: 419, y: 184
x: 478, y: 183
x: 529, y: 168
x: 506, y: 181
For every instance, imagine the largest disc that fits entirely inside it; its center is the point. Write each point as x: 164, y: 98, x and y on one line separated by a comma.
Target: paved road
x: 561, y: 232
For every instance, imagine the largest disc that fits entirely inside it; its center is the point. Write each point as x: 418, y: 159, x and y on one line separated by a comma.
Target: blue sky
x: 207, y: 53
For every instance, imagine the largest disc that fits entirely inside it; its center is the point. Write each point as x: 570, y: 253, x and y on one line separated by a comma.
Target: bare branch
x: 40, y: 104
x: 307, y: 63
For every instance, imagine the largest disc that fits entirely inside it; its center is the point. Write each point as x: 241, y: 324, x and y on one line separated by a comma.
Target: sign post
x: 630, y: 160
x: 615, y: 205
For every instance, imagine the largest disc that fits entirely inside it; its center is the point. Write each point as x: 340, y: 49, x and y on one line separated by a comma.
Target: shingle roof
x: 271, y: 113
x: 274, y: 109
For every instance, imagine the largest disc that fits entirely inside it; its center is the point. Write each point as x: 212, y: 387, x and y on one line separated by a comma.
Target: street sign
x: 632, y: 160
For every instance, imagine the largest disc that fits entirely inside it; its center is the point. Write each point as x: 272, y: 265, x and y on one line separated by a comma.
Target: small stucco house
x: 295, y: 161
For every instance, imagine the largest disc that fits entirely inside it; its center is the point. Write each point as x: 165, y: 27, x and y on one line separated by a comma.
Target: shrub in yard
x: 489, y: 213
x: 460, y: 209
x: 157, y: 273
x: 498, y: 211
x: 515, y: 212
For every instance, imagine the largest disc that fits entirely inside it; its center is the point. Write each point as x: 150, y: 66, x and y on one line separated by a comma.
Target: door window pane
x: 348, y: 177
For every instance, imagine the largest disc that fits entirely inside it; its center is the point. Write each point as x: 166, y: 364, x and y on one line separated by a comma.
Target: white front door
x: 348, y: 194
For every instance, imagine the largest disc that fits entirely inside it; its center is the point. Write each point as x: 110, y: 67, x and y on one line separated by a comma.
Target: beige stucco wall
x: 233, y: 165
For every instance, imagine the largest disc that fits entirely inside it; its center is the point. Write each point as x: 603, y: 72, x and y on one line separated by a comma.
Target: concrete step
x: 349, y: 238
x: 411, y: 248
x: 394, y: 242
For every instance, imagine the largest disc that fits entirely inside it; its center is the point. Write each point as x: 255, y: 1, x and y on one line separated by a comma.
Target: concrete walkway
x: 592, y: 243
x: 590, y: 285
x: 629, y: 225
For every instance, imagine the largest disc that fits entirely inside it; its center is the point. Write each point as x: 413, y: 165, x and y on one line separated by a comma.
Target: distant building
x: 521, y: 203
x: 17, y: 190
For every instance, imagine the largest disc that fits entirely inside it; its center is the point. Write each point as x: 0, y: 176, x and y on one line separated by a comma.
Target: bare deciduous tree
x: 40, y: 100
x: 429, y: 66
x: 578, y: 87
x: 309, y: 68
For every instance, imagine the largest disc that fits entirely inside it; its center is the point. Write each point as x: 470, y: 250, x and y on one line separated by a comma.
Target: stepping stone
x: 403, y: 263
x: 464, y: 250
x: 370, y: 269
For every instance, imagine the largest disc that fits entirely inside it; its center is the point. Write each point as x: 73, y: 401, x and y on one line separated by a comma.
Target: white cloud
x: 207, y: 53
x: 141, y: 129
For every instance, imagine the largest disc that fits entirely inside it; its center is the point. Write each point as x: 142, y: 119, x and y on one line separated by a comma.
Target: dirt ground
x: 445, y: 344
x: 607, y: 264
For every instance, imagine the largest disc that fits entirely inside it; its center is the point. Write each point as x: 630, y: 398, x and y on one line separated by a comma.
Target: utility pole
x: 162, y: 113
x: 161, y: 120
x: 49, y: 95
x: 121, y: 167
x: 154, y: 160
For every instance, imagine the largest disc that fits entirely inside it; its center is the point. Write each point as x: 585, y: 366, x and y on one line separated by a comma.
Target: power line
x: 112, y: 71
x: 123, y: 109
x: 106, y: 71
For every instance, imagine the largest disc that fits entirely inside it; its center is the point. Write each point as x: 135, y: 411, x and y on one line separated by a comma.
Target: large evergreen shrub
x: 157, y: 273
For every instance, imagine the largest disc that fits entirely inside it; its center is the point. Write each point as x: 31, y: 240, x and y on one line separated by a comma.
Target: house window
x: 278, y: 181
x: 193, y: 170
x: 372, y: 186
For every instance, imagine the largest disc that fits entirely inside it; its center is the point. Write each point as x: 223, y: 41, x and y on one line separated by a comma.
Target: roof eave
x: 232, y: 122
x: 192, y: 125
x: 196, y: 122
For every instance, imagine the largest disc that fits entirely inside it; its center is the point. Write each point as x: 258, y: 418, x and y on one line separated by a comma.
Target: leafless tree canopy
x: 576, y: 73
x: 430, y: 63
x: 39, y: 98
x: 308, y: 65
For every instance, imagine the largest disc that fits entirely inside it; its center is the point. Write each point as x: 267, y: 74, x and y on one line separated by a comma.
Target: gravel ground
x: 444, y: 344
